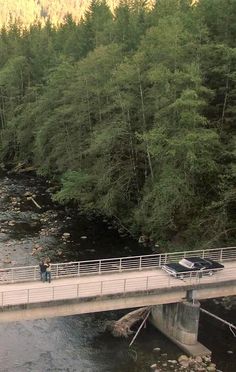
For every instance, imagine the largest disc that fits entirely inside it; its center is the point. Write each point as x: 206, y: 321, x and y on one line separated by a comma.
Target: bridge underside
x: 114, y: 302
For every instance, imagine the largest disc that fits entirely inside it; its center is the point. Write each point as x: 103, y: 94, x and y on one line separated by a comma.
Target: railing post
x: 197, y: 278
x: 35, y: 273
x: 57, y: 271
x: 78, y: 273
x: 99, y: 266
x: 140, y: 263
x: 221, y: 254
x: 166, y: 258
x: 125, y: 285
x: 120, y: 265
x: 12, y: 275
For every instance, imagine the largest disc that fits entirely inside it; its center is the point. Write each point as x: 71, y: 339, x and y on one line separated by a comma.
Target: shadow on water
x: 93, y: 239
x: 218, y: 337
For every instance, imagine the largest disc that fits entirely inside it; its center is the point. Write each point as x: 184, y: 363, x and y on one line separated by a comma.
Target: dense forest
x: 132, y: 113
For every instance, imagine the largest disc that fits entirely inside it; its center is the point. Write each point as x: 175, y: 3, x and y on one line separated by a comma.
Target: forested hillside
x: 132, y: 113
x: 27, y: 11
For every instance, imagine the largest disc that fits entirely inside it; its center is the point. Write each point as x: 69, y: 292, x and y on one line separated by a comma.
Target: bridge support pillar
x: 179, y: 322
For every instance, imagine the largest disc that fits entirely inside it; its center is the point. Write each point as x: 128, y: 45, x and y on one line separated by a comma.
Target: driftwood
x: 22, y: 168
x: 122, y: 327
x: 35, y: 203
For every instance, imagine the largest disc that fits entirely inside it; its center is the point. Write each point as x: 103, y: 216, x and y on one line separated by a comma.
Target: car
x: 196, y: 265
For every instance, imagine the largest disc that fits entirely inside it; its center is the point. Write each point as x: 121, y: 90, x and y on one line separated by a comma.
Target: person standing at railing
x: 48, y: 271
x: 43, y: 268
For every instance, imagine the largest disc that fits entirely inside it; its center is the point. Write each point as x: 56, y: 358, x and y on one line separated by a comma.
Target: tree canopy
x: 132, y: 113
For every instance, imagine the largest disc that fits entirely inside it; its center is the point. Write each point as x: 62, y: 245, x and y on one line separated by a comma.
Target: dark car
x: 195, y: 265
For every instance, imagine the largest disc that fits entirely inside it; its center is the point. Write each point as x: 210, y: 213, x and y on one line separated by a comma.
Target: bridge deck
x: 103, y: 284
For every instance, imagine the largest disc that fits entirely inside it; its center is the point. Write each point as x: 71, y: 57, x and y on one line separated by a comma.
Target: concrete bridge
x: 111, y: 284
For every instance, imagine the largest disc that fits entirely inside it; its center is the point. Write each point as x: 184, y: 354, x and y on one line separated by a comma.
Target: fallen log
x: 22, y: 168
x: 35, y: 203
x: 122, y: 327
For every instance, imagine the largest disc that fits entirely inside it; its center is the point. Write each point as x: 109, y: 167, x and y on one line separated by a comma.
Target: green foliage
x: 133, y: 111
x: 76, y: 186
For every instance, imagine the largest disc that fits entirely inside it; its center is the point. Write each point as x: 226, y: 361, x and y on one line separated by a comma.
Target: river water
x: 80, y: 343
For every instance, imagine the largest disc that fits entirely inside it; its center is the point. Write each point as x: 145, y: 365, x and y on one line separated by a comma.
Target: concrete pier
x: 179, y: 322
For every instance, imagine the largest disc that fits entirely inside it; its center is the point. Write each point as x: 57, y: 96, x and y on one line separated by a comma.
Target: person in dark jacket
x: 42, y: 267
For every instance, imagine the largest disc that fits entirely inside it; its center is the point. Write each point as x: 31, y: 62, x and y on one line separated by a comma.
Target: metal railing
x: 101, y: 288
x: 110, y: 265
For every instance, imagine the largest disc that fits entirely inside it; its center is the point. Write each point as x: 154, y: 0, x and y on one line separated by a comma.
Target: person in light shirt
x: 48, y: 271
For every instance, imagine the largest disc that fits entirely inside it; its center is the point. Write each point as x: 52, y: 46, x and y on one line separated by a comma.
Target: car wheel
x: 210, y: 273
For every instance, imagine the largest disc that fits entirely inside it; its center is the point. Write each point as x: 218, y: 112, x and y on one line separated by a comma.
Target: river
x: 80, y: 343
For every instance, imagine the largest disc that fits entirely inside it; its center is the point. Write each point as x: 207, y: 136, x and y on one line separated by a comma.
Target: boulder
x: 183, y: 358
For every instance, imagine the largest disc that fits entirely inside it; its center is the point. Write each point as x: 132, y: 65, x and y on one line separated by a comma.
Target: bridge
x: 110, y: 284
x: 121, y: 283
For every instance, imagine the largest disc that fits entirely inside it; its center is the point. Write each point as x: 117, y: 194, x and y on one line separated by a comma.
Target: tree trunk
x: 145, y: 127
x: 122, y: 327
